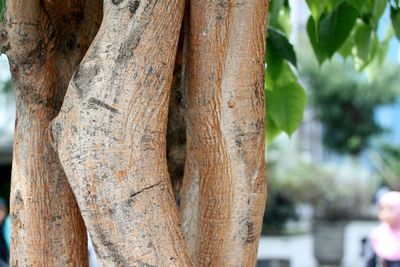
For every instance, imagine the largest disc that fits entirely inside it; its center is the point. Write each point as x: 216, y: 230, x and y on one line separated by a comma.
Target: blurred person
x: 4, y: 250
x: 385, y: 239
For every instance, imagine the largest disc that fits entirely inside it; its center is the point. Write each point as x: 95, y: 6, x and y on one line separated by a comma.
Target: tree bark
x: 110, y: 135
x: 225, y: 132
x: 45, y: 42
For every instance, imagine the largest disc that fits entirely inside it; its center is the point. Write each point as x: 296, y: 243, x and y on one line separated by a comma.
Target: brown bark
x: 225, y: 132
x: 110, y: 135
x: 43, y: 49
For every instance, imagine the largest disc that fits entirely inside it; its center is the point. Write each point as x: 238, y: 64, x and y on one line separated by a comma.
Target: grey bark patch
x: 93, y: 101
x: 145, y: 264
x: 83, y: 78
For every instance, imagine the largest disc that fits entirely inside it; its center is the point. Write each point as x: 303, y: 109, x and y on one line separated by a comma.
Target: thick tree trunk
x: 225, y: 132
x: 110, y: 135
x: 45, y: 42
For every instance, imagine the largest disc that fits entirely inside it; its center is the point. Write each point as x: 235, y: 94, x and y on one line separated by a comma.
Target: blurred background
x: 324, y: 180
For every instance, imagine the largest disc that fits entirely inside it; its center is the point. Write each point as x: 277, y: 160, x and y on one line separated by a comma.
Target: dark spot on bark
x: 238, y: 142
x: 222, y: 9
x: 250, y: 232
x: 18, y: 198
x: 117, y: 2
x: 133, y: 6
x: 93, y: 101
x: 113, y: 251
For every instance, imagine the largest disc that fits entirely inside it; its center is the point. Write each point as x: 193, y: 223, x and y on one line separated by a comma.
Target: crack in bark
x: 94, y: 101
x: 144, y: 189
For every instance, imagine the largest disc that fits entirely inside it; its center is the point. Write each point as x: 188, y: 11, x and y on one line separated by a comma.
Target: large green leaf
x: 312, y: 35
x: 280, y: 46
x: 395, y: 16
x: 334, y: 28
x: 365, y: 45
x: 286, y: 103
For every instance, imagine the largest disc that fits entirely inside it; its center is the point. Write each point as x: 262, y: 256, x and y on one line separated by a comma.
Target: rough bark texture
x: 225, y: 132
x: 111, y: 131
x: 45, y: 42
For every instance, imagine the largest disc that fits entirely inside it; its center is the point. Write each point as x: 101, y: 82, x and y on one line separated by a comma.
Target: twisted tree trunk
x: 110, y: 135
x: 225, y: 176
x: 45, y: 42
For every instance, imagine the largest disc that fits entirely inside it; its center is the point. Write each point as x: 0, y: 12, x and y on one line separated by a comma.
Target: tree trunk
x: 225, y: 132
x: 110, y: 135
x: 45, y: 42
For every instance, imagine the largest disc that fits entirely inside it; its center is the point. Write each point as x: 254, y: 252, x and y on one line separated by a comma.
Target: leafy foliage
x: 346, y: 101
x: 335, y: 27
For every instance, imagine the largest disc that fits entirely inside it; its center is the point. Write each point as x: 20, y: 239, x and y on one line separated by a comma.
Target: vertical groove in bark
x: 225, y: 132
x: 176, y: 130
x: 110, y: 135
x: 47, y: 228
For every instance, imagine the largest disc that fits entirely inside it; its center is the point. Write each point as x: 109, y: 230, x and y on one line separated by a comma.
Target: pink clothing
x: 386, y: 237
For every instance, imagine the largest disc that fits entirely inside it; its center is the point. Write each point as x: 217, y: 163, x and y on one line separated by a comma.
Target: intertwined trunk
x: 45, y: 42
x: 110, y: 135
x: 224, y: 191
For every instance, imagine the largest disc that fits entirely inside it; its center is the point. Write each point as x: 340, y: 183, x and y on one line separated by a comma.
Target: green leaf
x: 280, y: 46
x: 272, y: 130
x: 274, y: 67
x: 334, y: 28
x: 1, y: 10
x: 312, y: 35
x: 317, y: 7
x: 395, y: 16
x: 332, y: 4
x: 286, y: 104
x: 345, y: 49
x: 377, y: 12
x: 365, y: 45
x: 357, y: 4
x: 275, y: 6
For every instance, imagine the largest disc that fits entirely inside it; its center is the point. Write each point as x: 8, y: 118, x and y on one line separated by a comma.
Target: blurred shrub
x: 280, y: 208
x: 345, y: 102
